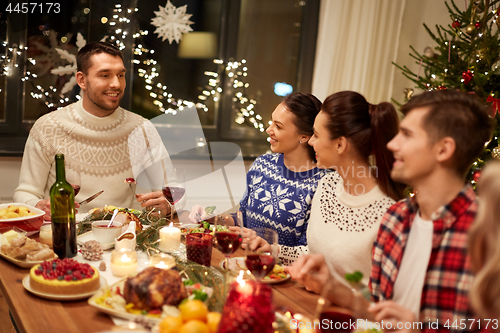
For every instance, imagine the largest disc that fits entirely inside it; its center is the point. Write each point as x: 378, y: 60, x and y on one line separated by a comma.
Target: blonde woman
x: 484, y: 250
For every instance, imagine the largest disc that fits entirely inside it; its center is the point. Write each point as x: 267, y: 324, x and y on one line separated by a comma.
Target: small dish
x: 106, y: 231
x: 90, y: 236
x: 57, y: 297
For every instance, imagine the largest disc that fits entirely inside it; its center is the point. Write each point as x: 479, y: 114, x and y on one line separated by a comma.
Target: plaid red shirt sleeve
x: 448, y: 278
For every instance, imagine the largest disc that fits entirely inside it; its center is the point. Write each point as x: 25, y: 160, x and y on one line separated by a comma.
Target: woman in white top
x: 348, y: 205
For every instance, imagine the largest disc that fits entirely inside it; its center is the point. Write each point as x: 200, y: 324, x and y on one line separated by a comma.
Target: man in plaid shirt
x: 421, y: 270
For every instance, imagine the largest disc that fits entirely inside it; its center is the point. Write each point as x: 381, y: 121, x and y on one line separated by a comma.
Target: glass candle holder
x: 248, y: 308
x: 161, y: 260
x: 46, y: 234
x: 123, y: 262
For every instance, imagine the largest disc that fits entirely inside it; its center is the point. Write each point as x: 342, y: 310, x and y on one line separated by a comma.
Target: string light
x: 148, y: 70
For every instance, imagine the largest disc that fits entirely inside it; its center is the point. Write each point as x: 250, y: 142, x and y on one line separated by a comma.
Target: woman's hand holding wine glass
x: 228, y: 234
x: 261, y: 253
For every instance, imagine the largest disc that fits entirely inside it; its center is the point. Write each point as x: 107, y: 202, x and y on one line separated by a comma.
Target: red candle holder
x: 248, y: 308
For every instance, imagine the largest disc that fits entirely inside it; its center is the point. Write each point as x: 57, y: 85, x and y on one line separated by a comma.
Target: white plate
x: 118, y: 313
x: 57, y: 297
x: 24, y: 263
x: 238, y: 263
x: 90, y: 236
x: 38, y: 212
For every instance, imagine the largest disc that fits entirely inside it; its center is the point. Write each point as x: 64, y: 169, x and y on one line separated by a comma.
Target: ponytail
x: 384, y: 126
x: 369, y: 128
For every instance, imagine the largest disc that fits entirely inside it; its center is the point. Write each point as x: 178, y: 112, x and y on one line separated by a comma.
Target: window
x: 259, y: 43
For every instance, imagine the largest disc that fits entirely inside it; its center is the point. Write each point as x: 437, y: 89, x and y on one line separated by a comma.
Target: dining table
x: 31, y: 313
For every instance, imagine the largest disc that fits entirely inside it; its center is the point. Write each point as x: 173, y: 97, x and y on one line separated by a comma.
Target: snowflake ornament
x: 69, y: 69
x: 47, y: 56
x: 171, y: 22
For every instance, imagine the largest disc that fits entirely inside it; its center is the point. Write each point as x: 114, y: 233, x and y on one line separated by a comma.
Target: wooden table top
x: 34, y: 314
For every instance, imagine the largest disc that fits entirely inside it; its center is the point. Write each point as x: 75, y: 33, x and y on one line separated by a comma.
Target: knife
x: 89, y: 199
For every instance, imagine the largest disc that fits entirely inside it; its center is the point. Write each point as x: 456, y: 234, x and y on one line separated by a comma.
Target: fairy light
x: 147, y: 69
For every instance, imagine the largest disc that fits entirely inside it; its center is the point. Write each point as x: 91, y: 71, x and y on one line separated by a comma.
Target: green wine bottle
x: 62, y: 210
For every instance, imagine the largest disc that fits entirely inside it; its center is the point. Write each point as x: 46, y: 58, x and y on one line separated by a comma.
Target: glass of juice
x: 199, y: 248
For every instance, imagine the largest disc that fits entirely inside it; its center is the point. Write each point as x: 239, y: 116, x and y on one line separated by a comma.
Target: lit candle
x: 161, y: 260
x: 123, y: 262
x: 170, y: 238
x: 248, y: 299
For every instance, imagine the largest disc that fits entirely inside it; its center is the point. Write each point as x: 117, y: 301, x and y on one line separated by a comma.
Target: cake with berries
x: 64, y: 277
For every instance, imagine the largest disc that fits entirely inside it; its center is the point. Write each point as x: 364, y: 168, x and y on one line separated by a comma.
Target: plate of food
x: 63, y: 280
x: 23, y: 216
x: 202, y: 227
x: 23, y: 251
x: 278, y: 274
x: 126, y: 299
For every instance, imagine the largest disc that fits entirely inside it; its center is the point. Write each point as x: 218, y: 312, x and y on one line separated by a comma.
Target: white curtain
x: 357, y: 41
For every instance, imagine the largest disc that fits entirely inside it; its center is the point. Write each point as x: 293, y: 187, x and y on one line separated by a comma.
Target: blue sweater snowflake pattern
x: 280, y: 199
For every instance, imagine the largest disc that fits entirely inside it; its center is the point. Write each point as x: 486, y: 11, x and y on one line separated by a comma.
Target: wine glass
x: 73, y: 178
x: 331, y: 318
x: 261, y: 261
x: 228, y: 234
x: 174, y: 188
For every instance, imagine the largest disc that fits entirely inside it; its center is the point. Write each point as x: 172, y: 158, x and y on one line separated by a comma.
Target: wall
x: 416, y: 13
x: 9, y: 177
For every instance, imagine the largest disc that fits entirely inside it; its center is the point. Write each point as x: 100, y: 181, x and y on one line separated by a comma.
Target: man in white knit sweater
x: 102, y: 142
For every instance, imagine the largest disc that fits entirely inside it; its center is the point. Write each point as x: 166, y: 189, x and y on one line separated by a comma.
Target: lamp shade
x: 198, y: 45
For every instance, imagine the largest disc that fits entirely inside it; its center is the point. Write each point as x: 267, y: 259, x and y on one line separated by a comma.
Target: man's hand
x: 45, y: 206
x: 154, y: 200
x: 311, y: 271
x: 389, y: 311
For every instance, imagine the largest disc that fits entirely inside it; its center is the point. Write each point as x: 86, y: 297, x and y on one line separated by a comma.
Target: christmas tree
x: 466, y: 58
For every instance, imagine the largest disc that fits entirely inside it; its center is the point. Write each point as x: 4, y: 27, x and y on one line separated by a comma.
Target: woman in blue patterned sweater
x: 281, y: 185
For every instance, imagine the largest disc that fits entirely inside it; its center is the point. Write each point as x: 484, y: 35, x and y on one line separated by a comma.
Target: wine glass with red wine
x: 228, y: 234
x: 331, y: 318
x: 261, y: 261
x: 73, y: 178
x: 175, y: 188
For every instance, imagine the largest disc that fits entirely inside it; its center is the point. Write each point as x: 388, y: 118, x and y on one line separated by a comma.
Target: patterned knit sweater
x: 343, y: 227
x: 104, y: 151
x: 280, y: 199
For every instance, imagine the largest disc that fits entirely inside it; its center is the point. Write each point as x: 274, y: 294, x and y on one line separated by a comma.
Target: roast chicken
x: 154, y: 287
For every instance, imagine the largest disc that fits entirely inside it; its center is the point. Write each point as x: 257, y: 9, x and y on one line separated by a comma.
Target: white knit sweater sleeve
x: 288, y: 254
x: 35, y: 167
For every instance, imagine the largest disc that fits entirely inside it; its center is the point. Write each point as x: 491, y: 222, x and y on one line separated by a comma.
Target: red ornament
x: 476, y: 175
x: 478, y: 25
x: 467, y: 76
x: 441, y: 88
x: 456, y: 24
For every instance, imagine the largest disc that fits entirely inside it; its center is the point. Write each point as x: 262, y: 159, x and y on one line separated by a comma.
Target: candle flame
x: 171, y: 225
x: 125, y: 258
x: 240, y: 279
x: 162, y: 265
